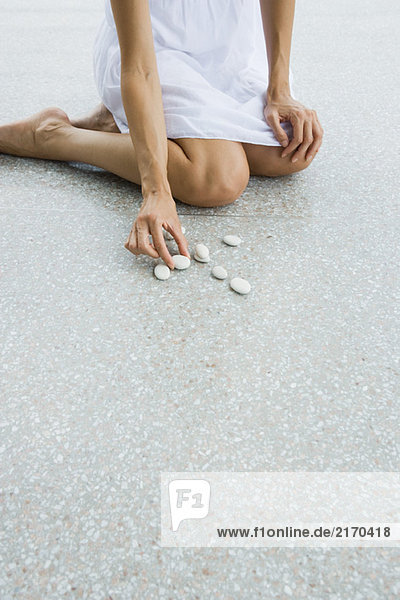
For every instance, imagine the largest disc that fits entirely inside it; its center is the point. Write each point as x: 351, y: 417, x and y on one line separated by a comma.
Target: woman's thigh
x: 214, y: 154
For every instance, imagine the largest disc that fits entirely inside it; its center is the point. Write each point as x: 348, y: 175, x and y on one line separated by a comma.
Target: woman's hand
x: 307, y: 130
x: 158, y: 211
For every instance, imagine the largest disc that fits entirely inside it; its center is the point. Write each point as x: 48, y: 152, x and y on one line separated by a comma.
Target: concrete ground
x: 110, y: 377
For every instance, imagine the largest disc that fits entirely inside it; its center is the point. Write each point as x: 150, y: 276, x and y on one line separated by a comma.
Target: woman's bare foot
x: 98, y: 119
x: 31, y: 137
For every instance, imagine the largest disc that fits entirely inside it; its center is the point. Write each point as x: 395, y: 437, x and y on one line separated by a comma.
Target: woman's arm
x: 142, y: 100
x: 141, y: 91
x: 277, y: 19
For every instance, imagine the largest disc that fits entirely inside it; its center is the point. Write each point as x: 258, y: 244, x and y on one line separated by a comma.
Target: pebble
x: 239, y: 285
x: 202, y: 260
x: 162, y: 272
x: 232, y: 240
x: 201, y: 251
x: 219, y: 272
x: 180, y: 261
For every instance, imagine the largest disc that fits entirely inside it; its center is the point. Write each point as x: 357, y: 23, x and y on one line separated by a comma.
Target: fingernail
x: 283, y: 155
x: 309, y: 157
x: 294, y: 160
x: 285, y: 143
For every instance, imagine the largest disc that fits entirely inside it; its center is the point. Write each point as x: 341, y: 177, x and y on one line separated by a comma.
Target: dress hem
x: 220, y: 137
x: 212, y: 136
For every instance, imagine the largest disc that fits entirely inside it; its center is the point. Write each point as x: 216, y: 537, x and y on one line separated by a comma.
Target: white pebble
x: 201, y: 250
x: 183, y: 229
x: 162, y: 272
x: 202, y: 260
x: 219, y: 272
x: 239, y: 285
x: 181, y: 262
x: 232, y: 240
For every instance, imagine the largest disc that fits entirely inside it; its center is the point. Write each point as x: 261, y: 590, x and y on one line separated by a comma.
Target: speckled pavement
x: 110, y: 377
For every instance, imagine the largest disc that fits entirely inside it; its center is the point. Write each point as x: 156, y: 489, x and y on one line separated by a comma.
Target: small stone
x: 219, y: 272
x: 232, y: 240
x: 162, y: 272
x: 201, y: 251
x: 183, y: 229
x: 202, y: 260
x: 239, y: 285
x: 181, y: 262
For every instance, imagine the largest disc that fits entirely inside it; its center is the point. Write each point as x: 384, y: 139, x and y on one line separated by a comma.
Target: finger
x: 179, y: 239
x: 131, y: 243
x: 144, y: 246
x: 315, y: 146
x: 297, y: 124
x: 182, y: 245
x: 308, y: 139
x: 275, y: 124
x: 160, y: 246
x: 318, y: 122
x: 151, y: 241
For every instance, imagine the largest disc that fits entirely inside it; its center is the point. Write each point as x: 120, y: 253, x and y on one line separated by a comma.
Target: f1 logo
x: 188, y: 499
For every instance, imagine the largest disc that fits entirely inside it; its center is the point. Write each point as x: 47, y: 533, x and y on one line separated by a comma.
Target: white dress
x: 212, y: 65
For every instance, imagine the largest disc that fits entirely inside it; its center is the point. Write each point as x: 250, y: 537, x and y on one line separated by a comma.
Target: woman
x: 196, y: 97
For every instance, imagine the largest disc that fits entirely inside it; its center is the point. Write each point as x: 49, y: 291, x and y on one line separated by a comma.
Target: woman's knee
x: 219, y: 184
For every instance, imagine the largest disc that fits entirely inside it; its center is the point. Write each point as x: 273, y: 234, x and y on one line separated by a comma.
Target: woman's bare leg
x: 97, y: 119
x: 200, y: 172
x: 266, y: 161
